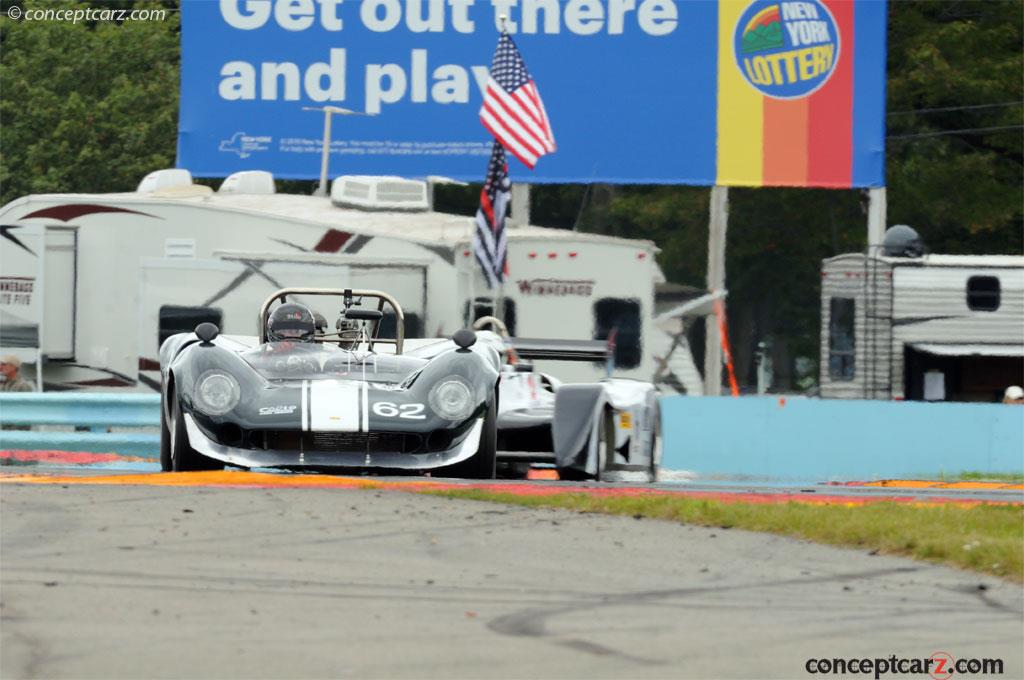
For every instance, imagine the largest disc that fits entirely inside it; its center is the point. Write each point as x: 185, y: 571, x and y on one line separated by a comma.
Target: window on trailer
x: 177, y: 319
x: 622, y: 316
x: 983, y: 293
x: 842, y: 339
x: 413, y: 325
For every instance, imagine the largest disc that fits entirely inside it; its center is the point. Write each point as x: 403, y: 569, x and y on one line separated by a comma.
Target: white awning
x: 672, y: 321
x: 985, y: 350
x: 701, y: 306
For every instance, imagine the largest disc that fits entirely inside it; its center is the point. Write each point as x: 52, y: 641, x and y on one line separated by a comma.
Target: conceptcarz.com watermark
x: 940, y: 666
x: 77, y: 14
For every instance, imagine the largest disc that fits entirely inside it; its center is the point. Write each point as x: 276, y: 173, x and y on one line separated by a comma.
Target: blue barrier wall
x: 768, y: 437
x: 93, y: 409
x: 815, y: 439
x: 97, y: 411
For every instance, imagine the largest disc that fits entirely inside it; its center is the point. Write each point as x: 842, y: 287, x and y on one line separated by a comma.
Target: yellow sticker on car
x: 626, y: 421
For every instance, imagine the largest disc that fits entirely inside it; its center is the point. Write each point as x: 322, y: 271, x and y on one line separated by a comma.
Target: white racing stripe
x: 366, y: 407
x: 334, y: 405
x: 305, y: 405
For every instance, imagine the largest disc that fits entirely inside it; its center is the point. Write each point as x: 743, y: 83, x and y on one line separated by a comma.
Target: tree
x: 86, y: 106
x: 955, y: 96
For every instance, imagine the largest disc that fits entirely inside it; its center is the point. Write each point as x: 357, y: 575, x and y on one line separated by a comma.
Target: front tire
x: 656, y: 443
x: 183, y: 457
x: 484, y: 463
x: 166, y: 465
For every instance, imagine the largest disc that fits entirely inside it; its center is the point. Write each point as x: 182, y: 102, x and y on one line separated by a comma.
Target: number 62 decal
x: 389, y: 409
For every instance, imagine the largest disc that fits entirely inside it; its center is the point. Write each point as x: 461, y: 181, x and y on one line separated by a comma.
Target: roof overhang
x: 966, y: 350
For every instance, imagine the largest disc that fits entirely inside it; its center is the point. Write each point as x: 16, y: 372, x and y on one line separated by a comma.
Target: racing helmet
x: 291, y: 321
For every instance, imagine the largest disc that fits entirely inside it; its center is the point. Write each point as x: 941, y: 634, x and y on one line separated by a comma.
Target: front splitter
x: 347, y: 460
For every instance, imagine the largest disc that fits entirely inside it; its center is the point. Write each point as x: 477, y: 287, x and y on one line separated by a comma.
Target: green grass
x: 984, y: 538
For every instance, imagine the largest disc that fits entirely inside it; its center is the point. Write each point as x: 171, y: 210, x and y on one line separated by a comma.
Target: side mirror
x: 207, y: 332
x: 464, y: 338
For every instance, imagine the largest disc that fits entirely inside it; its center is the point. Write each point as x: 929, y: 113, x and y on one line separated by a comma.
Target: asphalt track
x: 119, y: 579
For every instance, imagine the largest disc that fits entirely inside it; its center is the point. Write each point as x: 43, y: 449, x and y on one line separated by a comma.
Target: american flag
x: 490, y: 243
x: 512, y: 110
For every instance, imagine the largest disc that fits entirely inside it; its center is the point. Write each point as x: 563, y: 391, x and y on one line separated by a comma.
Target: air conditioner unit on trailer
x: 379, y: 193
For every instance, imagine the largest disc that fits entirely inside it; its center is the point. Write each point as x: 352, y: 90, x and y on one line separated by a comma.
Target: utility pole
x: 521, y: 203
x: 876, y: 219
x: 719, y: 221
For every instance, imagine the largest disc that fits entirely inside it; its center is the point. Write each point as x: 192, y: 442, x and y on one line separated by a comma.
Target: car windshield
x: 308, y: 361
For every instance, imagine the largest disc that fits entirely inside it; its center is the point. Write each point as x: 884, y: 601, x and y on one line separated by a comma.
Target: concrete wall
x: 823, y: 440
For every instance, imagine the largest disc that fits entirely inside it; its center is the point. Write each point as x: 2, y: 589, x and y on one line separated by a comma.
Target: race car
x: 610, y: 429
x: 299, y: 397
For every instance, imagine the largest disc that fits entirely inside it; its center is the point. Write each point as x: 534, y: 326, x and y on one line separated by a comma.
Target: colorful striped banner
x: 798, y: 99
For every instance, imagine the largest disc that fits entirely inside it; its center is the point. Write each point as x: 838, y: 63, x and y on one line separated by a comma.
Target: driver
x: 291, y: 322
x: 320, y: 321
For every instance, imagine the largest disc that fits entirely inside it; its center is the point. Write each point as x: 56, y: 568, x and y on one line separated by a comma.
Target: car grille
x: 349, y: 442
x: 370, y: 442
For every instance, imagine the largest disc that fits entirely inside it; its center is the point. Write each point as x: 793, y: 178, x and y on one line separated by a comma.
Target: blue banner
x: 631, y: 87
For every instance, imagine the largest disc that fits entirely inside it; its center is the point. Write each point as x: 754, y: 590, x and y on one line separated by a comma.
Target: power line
x: 955, y: 132
x: 957, y: 108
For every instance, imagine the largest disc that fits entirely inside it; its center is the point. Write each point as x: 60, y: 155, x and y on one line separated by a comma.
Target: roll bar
x: 494, y: 322
x: 348, y: 294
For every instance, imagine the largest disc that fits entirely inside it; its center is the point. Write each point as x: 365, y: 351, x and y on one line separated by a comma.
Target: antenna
x: 503, y: 20
x: 321, y: 190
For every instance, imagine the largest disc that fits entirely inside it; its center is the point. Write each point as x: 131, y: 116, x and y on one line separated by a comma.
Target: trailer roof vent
x: 379, y: 193
x: 248, y: 182
x: 902, y: 241
x: 160, y: 180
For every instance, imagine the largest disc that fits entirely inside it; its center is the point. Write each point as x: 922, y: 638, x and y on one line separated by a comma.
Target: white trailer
x: 935, y: 327
x: 110, y: 275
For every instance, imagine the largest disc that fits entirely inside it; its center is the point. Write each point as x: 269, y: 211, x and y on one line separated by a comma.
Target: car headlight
x: 451, y: 399
x: 216, y: 393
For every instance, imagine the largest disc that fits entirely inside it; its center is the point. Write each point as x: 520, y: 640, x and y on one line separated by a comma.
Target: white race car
x: 586, y: 430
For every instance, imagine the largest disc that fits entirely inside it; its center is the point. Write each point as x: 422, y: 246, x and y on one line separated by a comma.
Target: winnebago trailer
x: 932, y: 327
x: 104, y: 278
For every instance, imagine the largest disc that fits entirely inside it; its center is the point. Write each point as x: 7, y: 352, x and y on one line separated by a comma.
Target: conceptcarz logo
x: 940, y: 666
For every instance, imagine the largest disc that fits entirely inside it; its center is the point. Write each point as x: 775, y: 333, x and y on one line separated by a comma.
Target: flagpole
x: 471, y: 310
x: 499, y: 291
x: 499, y: 298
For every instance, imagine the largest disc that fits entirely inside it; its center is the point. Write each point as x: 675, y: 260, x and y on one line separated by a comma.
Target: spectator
x: 1013, y: 395
x: 10, y: 381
